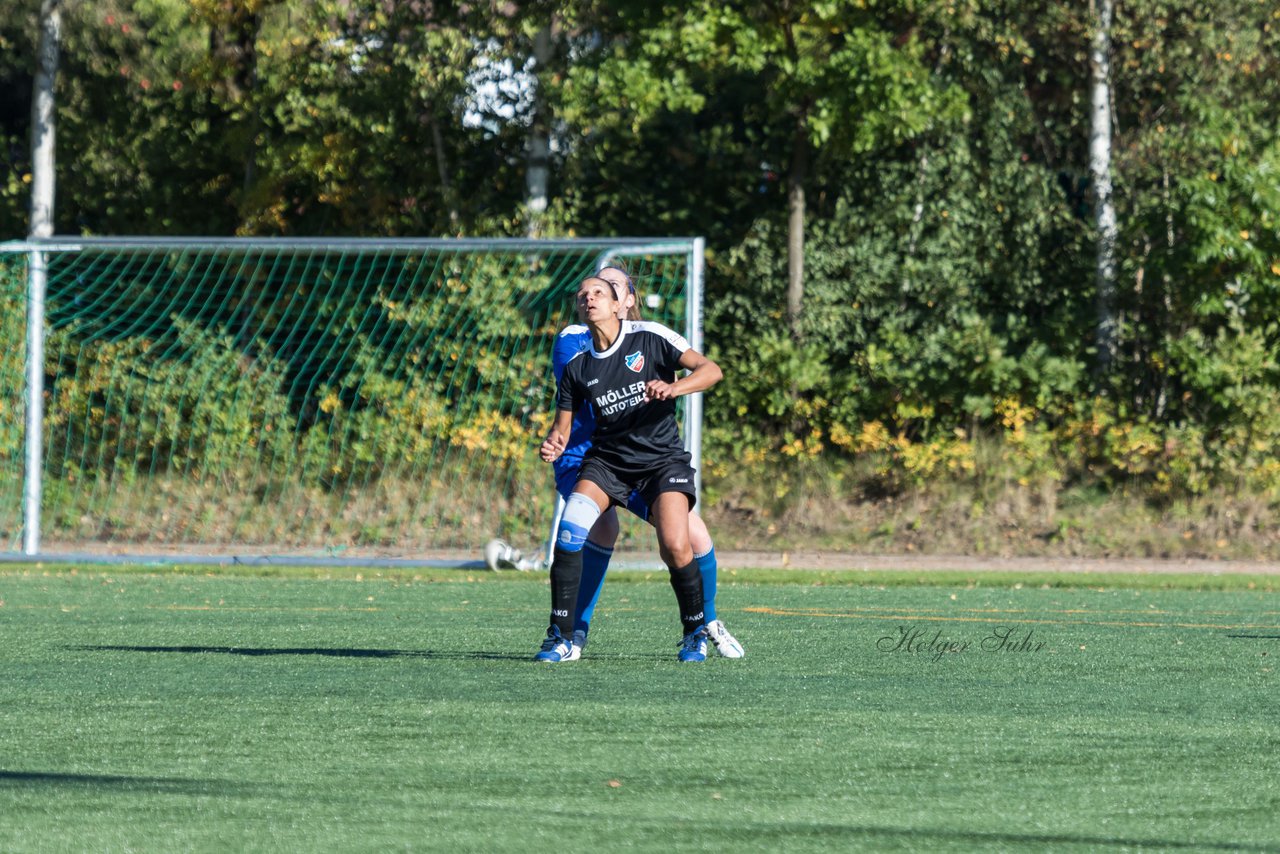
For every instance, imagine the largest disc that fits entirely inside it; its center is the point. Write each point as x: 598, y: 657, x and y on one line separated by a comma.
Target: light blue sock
x: 595, y: 560
x: 706, y: 566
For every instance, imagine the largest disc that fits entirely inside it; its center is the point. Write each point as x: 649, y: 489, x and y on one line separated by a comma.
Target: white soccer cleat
x: 726, y: 644
x: 531, y: 564
x: 499, y: 555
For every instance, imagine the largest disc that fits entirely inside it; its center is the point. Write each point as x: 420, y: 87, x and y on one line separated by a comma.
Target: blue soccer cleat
x: 694, y: 646
x: 556, y: 649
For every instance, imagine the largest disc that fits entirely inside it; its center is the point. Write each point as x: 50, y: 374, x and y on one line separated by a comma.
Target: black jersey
x: 630, y: 432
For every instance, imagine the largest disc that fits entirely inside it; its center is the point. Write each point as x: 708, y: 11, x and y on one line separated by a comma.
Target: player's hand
x: 658, y: 390
x: 552, y: 447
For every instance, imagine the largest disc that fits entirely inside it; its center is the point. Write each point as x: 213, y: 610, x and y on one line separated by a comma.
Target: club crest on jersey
x: 635, y: 361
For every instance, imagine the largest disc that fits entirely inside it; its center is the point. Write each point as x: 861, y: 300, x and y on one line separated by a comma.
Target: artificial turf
x: 167, y: 712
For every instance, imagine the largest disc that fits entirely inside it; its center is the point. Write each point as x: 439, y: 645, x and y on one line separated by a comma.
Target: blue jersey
x: 571, y: 341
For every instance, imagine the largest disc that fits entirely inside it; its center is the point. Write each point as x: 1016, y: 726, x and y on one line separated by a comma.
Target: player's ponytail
x: 622, y: 288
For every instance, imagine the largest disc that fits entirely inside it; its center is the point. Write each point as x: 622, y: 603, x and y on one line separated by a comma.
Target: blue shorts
x: 567, y: 477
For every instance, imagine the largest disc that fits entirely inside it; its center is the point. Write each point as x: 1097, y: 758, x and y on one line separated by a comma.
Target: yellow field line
x: 202, y: 608
x: 783, y: 612
x: 255, y: 609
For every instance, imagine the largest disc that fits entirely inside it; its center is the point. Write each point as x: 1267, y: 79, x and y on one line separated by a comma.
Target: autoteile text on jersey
x: 618, y: 399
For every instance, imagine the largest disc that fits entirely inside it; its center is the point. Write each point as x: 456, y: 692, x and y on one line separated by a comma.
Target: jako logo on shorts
x: 635, y: 361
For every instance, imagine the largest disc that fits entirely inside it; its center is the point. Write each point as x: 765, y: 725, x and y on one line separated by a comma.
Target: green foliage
x: 122, y: 408
x: 248, y: 117
x: 926, y: 302
x: 13, y: 325
x: 343, y: 381
x: 948, y: 253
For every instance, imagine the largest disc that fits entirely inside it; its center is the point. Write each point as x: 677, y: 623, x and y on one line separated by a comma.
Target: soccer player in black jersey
x: 629, y: 377
x: 598, y: 552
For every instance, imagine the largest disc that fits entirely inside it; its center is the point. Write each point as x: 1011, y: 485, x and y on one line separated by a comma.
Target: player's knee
x: 699, y: 536
x: 675, y: 554
x: 605, y: 531
x: 580, y: 514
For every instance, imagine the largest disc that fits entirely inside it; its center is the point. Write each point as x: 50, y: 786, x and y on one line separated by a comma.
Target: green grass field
x: 174, y: 712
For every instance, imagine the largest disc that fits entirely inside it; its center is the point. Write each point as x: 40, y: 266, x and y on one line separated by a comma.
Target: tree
x: 276, y: 117
x: 235, y: 27
x: 43, y: 119
x: 832, y: 80
x: 1197, y: 92
x: 842, y: 80
x: 539, y: 155
x: 1100, y: 172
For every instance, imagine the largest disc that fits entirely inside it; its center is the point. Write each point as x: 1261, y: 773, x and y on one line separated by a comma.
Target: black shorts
x: 618, y: 483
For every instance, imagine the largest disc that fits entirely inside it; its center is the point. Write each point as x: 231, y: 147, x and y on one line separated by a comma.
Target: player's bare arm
x: 553, y: 446
x: 703, y: 374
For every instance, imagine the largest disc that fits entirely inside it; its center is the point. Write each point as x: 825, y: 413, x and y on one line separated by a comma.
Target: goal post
x: 324, y: 399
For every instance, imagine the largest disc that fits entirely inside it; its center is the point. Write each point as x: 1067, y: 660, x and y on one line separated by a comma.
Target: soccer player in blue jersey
x: 628, y: 375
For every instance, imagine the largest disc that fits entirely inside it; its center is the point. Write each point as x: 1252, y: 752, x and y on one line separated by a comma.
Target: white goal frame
x: 37, y: 252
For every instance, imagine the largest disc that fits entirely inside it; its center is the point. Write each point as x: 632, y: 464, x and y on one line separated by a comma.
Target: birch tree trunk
x: 1100, y: 171
x: 539, y: 164
x: 796, y: 177
x: 442, y: 169
x: 43, y: 113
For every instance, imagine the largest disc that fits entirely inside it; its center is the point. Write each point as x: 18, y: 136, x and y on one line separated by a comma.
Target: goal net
x: 284, y: 397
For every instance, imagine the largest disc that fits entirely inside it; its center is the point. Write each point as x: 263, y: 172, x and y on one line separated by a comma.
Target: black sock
x: 566, y: 573
x: 687, y: 583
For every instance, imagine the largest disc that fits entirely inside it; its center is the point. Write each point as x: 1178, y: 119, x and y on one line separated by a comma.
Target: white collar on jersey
x: 615, y: 346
